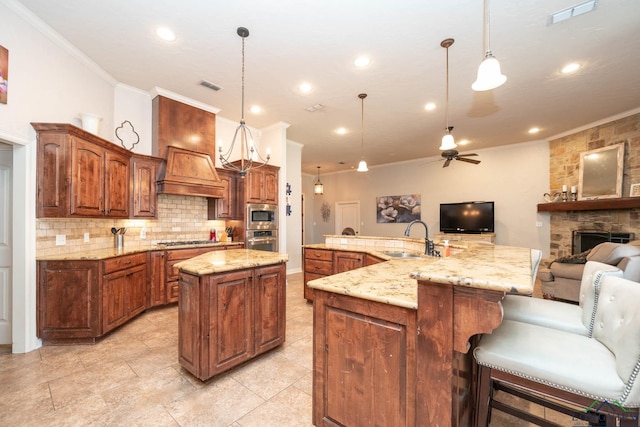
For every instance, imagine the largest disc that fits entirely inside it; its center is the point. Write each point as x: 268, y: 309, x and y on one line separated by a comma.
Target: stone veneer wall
x: 179, y: 218
x: 564, y: 169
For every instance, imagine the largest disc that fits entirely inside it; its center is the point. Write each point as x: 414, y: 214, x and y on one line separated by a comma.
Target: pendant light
x: 489, y: 74
x: 447, y: 140
x: 362, y: 166
x: 318, y: 188
x: 247, y: 150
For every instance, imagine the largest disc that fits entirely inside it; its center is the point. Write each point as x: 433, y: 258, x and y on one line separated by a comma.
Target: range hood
x: 184, y: 136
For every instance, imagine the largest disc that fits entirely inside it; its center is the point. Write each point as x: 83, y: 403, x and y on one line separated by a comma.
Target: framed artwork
x: 4, y: 74
x: 398, y: 209
x: 635, y: 190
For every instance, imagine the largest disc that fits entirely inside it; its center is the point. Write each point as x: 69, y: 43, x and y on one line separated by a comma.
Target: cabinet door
x: 255, y: 183
x: 225, y: 207
x: 114, y: 300
x: 157, y: 290
x: 116, y: 190
x: 270, y: 182
x: 144, y: 197
x: 87, y: 179
x: 136, y: 291
x: 68, y: 298
x: 270, y: 307
x: 229, y: 299
x: 347, y: 261
x: 53, y: 185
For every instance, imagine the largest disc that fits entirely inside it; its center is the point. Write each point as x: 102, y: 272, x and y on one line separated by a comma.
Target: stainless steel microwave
x: 262, y: 217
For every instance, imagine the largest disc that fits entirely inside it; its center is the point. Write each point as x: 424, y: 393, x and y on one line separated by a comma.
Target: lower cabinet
x: 228, y: 318
x: 325, y: 262
x: 173, y: 257
x: 78, y: 301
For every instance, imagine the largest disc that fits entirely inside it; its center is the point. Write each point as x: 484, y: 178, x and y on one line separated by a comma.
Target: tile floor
x: 132, y: 378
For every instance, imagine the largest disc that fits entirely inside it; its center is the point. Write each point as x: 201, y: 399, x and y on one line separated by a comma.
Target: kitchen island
x: 231, y: 308
x: 392, y: 340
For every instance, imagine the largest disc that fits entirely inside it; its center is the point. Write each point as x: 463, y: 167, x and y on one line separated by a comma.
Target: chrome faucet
x: 428, y: 244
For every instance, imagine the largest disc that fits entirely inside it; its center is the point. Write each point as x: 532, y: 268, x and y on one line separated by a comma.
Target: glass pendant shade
x: 447, y: 142
x: 318, y: 188
x: 362, y: 166
x: 489, y: 74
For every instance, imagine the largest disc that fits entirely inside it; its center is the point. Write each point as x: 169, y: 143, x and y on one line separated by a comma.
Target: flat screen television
x: 467, y: 217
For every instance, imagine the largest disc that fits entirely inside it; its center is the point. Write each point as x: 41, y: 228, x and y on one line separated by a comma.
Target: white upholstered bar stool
x: 564, y: 371
x: 557, y: 314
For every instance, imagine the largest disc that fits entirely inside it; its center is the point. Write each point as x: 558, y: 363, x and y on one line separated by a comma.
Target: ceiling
x: 295, y: 41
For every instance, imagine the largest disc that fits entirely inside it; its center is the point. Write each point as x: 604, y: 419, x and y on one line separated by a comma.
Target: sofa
x: 561, y: 279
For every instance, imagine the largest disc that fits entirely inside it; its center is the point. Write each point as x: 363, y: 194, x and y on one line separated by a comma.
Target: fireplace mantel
x: 591, y: 205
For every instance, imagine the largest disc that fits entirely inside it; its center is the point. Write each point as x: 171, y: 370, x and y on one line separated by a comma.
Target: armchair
x: 561, y: 280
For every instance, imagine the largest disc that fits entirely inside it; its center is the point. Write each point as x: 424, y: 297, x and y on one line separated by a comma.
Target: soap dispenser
x: 446, y: 250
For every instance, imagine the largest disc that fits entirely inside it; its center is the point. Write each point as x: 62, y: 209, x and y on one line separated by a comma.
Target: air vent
x: 315, y: 107
x: 572, y: 12
x: 210, y: 85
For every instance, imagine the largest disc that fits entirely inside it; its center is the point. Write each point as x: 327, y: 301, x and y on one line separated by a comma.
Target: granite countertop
x: 229, y: 260
x: 105, y: 253
x: 501, y: 268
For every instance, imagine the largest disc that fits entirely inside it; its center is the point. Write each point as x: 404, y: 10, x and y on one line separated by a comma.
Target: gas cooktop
x: 187, y: 242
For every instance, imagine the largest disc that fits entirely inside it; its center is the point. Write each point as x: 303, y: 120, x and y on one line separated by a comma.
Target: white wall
x: 293, y: 223
x: 134, y: 105
x: 515, y: 177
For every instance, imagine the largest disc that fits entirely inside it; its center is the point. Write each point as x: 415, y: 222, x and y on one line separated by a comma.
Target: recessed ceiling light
x: 430, y: 106
x: 362, y: 61
x: 341, y: 131
x: 165, y: 34
x: 255, y: 109
x: 305, y: 88
x: 534, y: 130
x: 570, y: 68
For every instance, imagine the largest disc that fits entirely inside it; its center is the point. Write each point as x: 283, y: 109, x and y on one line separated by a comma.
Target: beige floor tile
x: 289, y: 408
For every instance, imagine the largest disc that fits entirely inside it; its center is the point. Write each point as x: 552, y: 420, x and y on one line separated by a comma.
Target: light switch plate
x: 61, y: 239
x: 86, y: 237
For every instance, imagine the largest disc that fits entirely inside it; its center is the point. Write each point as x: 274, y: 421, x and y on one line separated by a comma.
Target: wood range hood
x: 184, y: 136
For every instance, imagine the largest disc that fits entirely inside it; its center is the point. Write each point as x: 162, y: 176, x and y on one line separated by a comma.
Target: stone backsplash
x: 565, y: 169
x: 179, y: 218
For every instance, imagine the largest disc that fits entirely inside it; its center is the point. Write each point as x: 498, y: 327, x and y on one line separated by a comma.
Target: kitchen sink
x: 399, y: 254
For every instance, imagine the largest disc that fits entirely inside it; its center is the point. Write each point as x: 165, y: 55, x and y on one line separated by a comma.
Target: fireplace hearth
x: 584, y: 240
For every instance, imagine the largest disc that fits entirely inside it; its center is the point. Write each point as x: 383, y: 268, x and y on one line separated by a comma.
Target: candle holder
x: 564, y: 196
x: 574, y: 197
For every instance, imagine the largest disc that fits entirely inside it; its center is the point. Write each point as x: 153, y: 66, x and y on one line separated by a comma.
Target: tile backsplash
x: 179, y: 218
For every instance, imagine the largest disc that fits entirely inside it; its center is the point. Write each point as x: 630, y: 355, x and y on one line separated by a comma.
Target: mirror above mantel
x: 601, y: 173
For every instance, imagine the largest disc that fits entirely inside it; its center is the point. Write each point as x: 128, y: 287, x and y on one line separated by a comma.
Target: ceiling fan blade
x: 469, y: 154
x: 446, y: 163
x: 475, y: 162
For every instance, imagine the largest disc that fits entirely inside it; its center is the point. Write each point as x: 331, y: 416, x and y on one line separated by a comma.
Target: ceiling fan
x: 454, y: 155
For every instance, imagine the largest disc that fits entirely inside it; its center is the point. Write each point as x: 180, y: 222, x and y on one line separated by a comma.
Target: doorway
x: 6, y: 161
x: 347, y: 215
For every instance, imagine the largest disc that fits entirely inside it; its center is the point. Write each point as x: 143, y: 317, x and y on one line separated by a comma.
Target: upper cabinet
x: 230, y: 205
x: 82, y: 175
x: 261, y: 185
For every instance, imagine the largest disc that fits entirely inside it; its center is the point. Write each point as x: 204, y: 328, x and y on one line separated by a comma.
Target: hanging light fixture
x: 318, y: 188
x: 447, y: 140
x: 362, y: 166
x: 248, y: 152
x: 489, y: 74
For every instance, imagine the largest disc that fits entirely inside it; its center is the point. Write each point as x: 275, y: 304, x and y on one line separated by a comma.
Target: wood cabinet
x: 370, y: 260
x: 231, y: 205
x: 156, y: 277
x: 261, y: 185
x: 364, y: 362
x: 78, y: 301
x: 124, y: 289
x: 228, y: 318
x: 68, y: 299
x: 172, y: 275
x: 325, y: 262
x: 80, y: 174
x: 144, y: 197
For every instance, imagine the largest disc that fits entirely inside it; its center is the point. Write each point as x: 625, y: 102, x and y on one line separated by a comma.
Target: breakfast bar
x: 392, y: 340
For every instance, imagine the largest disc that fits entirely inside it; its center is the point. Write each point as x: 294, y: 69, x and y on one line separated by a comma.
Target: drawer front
x: 125, y: 261
x: 318, y: 254
x: 181, y: 254
x: 318, y: 267
x: 312, y: 276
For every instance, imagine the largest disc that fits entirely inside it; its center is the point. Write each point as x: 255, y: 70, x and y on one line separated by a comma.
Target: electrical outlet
x: 86, y: 237
x: 143, y: 233
x: 538, y: 223
x: 61, y: 239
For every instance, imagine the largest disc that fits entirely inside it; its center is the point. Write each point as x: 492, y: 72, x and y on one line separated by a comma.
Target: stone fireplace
x: 584, y: 240
x: 564, y: 170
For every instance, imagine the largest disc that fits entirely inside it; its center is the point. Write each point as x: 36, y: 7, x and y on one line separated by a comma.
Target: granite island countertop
x: 501, y: 268
x: 230, y: 260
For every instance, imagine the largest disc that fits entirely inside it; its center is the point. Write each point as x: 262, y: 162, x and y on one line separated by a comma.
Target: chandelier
x: 318, y: 188
x: 248, y: 152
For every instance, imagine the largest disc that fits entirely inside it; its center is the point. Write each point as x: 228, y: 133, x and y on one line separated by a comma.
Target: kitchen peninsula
x: 231, y: 308
x: 392, y: 340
